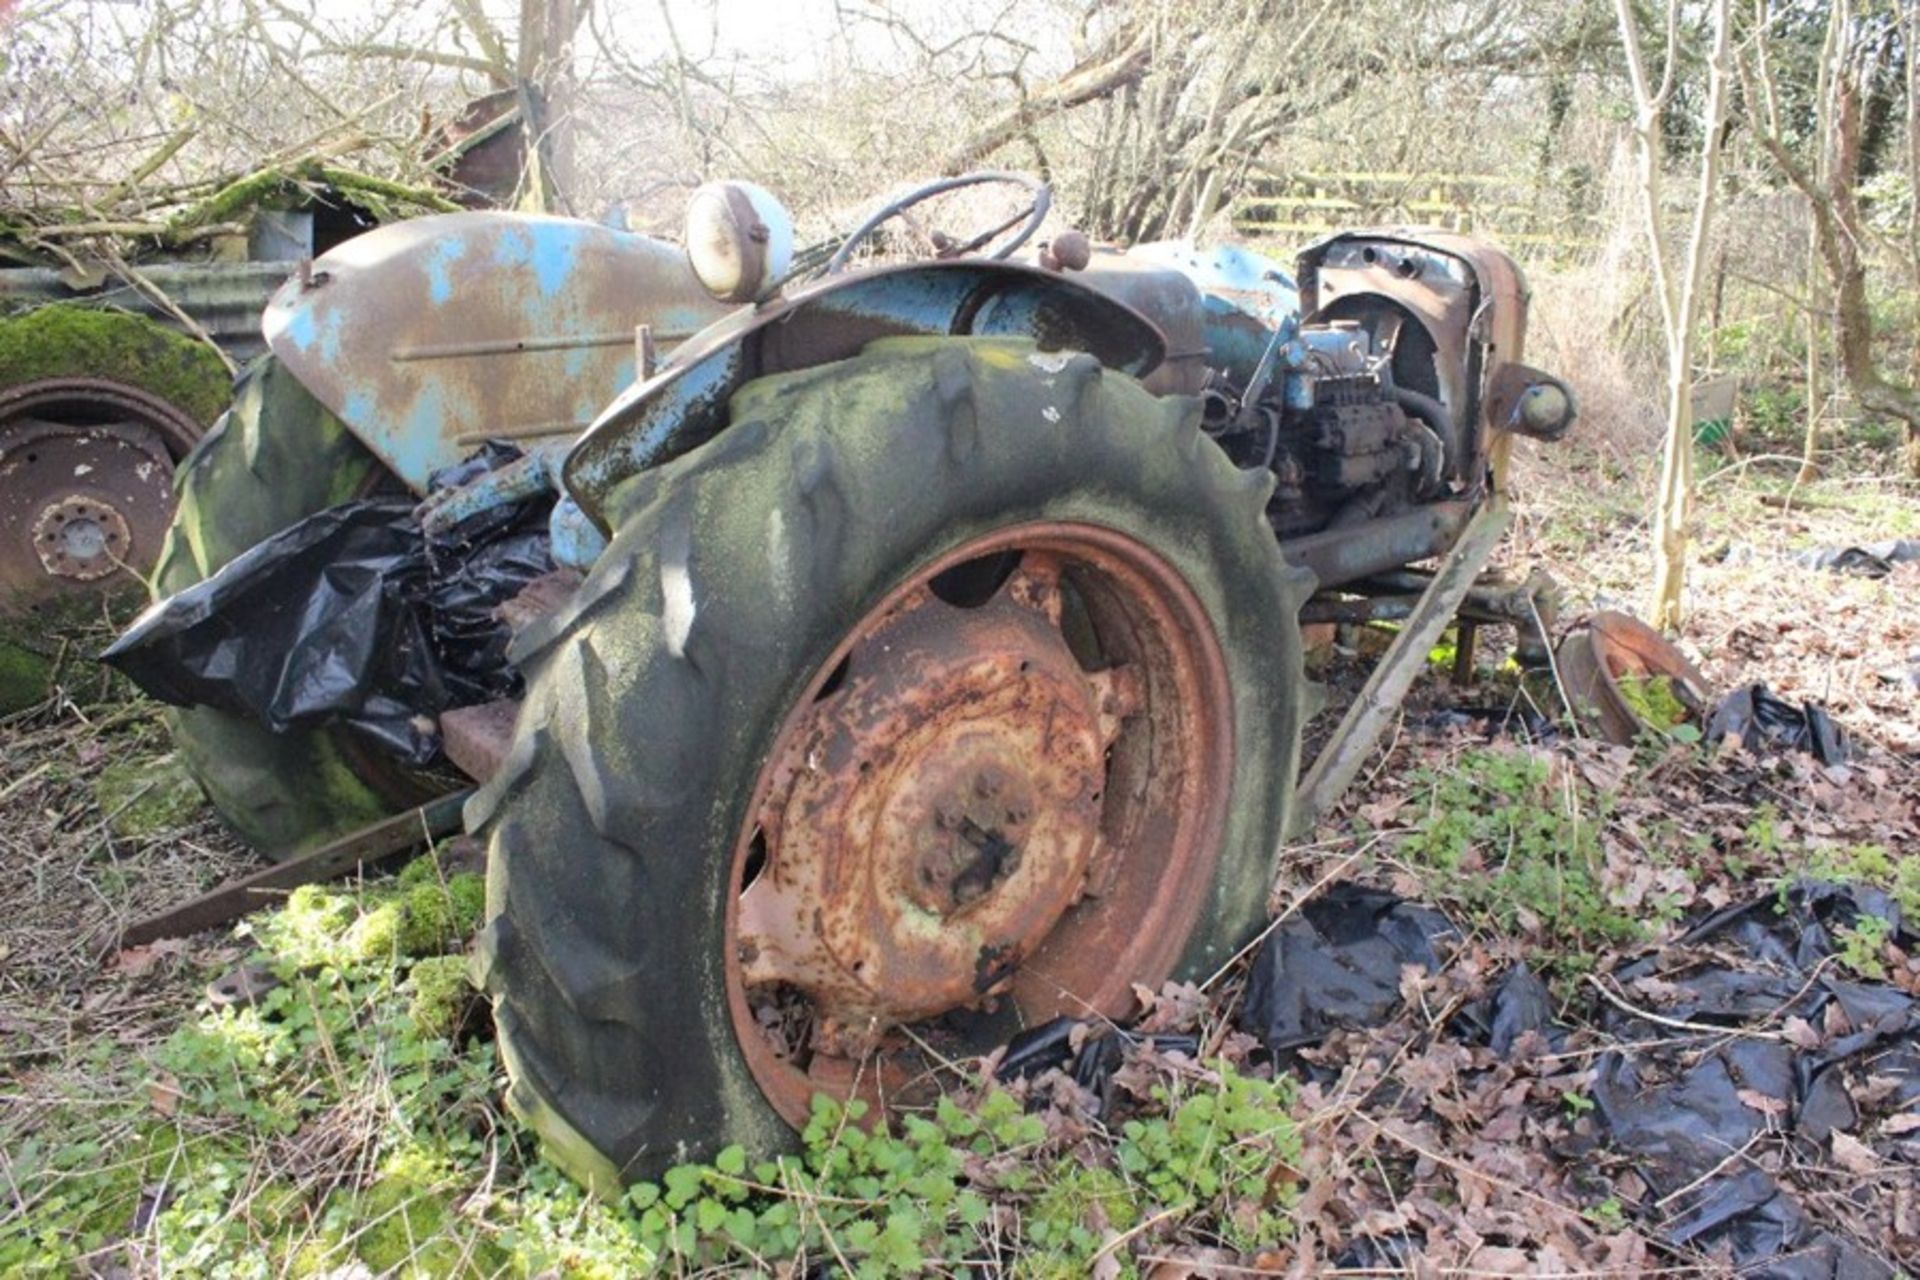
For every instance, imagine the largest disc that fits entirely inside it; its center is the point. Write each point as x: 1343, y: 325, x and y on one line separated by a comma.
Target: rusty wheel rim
x: 86, y: 485
x: 999, y: 799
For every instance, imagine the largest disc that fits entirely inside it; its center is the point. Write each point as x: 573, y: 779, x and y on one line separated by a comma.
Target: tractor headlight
x: 739, y: 240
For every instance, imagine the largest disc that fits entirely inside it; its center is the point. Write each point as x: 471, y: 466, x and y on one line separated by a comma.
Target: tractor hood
x: 429, y: 336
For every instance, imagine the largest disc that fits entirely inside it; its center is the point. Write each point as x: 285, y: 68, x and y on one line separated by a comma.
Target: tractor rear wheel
x: 273, y: 459
x: 954, y: 687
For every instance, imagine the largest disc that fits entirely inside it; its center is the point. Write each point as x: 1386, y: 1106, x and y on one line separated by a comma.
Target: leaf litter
x: 1498, y: 1110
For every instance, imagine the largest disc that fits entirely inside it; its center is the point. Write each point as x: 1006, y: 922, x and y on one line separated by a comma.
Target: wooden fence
x: 1531, y: 221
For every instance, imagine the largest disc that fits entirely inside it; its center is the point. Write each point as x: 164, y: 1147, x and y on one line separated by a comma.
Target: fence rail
x: 1533, y: 220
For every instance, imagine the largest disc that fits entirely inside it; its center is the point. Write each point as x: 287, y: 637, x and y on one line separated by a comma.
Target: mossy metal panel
x: 686, y: 404
x: 429, y: 336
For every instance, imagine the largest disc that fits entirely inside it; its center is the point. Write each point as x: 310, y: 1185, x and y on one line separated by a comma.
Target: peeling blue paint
x: 416, y: 446
x: 553, y: 251
x: 358, y: 410
x: 330, y: 336
x: 440, y: 260
x: 548, y: 248
x: 300, y: 328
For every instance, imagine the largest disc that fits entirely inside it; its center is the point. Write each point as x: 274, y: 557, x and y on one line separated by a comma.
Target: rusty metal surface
x: 1247, y: 298
x: 86, y: 486
x: 1468, y: 295
x: 1352, y: 552
x: 428, y: 336
x: 685, y: 404
x: 1169, y: 298
x: 1608, y: 647
x: 966, y: 808
x: 1529, y: 402
x: 476, y: 739
x: 936, y: 816
x: 1376, y: 708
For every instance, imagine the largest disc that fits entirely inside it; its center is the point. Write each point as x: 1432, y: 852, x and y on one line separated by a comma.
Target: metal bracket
x: 1367, y: 719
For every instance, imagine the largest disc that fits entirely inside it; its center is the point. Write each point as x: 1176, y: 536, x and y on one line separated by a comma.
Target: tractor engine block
x: 1325, y: 420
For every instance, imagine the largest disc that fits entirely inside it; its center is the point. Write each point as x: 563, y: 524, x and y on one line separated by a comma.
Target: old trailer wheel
x: 275, y: 458
x: 953, y: 687
x: 86, y: 468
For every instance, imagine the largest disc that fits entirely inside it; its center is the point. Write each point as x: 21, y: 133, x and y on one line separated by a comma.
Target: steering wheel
x: 1023, y: 223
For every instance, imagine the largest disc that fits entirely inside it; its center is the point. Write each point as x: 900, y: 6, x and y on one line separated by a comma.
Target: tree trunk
x: 1677, y: 284
x: 1816, y: 282
x: 545, y: 70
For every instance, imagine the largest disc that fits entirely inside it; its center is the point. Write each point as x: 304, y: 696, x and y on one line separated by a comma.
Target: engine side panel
x: 429, y: 336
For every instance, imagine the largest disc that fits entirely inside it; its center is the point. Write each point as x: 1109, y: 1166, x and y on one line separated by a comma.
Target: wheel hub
x: 86, y: 485
x: 934, y: 817
x: 992, y: 805
x: 80, y: 538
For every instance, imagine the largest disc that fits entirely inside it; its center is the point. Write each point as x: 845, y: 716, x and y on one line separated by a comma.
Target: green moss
x: 385, y: 199
x: 148, y: 797
x: 1654, y: 701
x: 24, y: 676
x: 313, y: 908
x: 413, y: 1229
x: 440, y: 994
x: 66, y: 341
x: 376, y: 934
x: 440, y: 915
x: 468, y: 892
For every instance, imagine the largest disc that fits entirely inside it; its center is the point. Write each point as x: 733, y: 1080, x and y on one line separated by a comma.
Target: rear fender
x: 429, y: 336
x: 685, y: 404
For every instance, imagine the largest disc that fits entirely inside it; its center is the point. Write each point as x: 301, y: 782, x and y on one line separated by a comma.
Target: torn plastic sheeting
x: 475, y: 567
x: 1766, y: 1232
x: 1685, y: 1110
x: 1754, y: 715
x: 1336, y: 963
x: 1100, y: 1053
x: 1874, y: 560
x: 1520, y: 1004
x: 318, y: 623
x: 1682, y: 1109
x: 351, y: 617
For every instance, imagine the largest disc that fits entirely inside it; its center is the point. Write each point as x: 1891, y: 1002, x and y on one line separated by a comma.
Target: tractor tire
x: 96, y: 408
x: 623, y: 827
x: 276, y: 457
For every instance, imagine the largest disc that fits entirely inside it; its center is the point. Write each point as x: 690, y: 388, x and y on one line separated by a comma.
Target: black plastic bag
x: 321, y: 622
x: 1336, y: 963
x: 1680, y: 1107
x: 353, y: 617
x: 1684, y: 1109
x: 474, y: 568
x: 1103, y: 1049
x: 1874, y: 560
x: 1752, y: 713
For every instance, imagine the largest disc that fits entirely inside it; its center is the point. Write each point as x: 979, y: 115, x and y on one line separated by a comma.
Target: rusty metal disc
x: 1003, y: 793
x: 1608, y: 647
x: 86, y: 486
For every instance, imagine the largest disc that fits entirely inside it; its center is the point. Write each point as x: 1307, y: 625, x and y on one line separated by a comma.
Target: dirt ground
x: 1472, y: 1163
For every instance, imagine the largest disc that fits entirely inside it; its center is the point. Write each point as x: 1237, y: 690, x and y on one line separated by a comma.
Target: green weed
x: 1863, y: 946
x: 1517, y: 849
x: 339, y: 1124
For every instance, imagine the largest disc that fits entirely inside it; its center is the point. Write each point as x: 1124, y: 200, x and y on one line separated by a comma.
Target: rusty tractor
x: 915, y: 654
